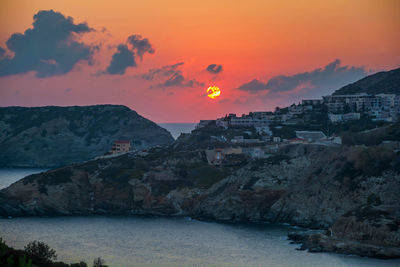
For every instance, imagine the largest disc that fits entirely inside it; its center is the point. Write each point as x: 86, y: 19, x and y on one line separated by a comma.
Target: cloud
x: 141, y: 45
x: 167, y: 70
x: 178, y: 80
x: 2, y: 52
x: 49, y: 48
x: 125, y: 56
x: 214, y: 68
x: 175, y: 77
x: 253, y: 86
x: 319, y: 82
x: 121, y: 60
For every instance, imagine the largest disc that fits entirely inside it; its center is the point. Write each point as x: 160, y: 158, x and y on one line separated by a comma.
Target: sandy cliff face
x: 55, y: 136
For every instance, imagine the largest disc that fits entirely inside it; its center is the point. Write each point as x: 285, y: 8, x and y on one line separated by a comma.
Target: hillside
x: 53, y: 136
x: 305, y: 185
x: 387, y: 82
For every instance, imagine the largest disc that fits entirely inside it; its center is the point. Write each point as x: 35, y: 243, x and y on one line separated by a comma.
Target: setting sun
x: 213, y: 92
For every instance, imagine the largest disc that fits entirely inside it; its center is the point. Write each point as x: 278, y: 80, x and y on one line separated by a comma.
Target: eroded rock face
x: 377, y: 225
x: 55, y: 136
x: 156, y: 185
x: 368, y: 231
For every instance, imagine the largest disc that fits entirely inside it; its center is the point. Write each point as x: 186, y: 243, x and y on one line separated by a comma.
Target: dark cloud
x: 319, y: 82
x: 178, y: 80
x: 121, y: 60
x: 49, y: 48
x: 141, y: 45
x: 174, y: 74
x: 253, y: 86
x: 125, y: 56
x: 165, y: 71
x: 214, y: 68
x: 2, y: 52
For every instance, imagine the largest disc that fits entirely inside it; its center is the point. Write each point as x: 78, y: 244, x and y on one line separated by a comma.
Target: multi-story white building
x: 380, y: 107
x: 356, y: 103
x: 247, y: 121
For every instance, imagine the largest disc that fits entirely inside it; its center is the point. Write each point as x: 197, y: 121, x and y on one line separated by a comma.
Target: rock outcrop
x: 55, y: 136
x: 368, y: 231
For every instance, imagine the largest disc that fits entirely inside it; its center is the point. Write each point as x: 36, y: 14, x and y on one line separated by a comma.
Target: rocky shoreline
x: 352, y: 234
x: 312, y: 186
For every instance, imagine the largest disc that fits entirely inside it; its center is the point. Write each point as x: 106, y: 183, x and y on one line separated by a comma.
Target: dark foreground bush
x: 41, y: 251
x: 36, y: 254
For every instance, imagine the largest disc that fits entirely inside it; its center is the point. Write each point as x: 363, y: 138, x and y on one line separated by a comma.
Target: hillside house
x: 276, y: 139
x: 121, y: 146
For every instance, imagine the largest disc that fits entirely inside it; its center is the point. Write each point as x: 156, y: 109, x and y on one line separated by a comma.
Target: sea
x: 177, y: 128
x: 159, y: 241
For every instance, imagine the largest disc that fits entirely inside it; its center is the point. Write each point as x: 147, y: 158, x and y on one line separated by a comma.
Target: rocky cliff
x: 306, y: 185
x: 54, y: 136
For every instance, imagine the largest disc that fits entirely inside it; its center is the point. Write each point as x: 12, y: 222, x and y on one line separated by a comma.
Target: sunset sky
x: 159, y: 57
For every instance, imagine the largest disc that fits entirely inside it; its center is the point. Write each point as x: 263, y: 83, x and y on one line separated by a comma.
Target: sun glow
x: 213, y: 92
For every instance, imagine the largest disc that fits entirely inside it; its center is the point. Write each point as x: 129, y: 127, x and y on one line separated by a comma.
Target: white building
x: 247, y: 121
x: 335, y: 118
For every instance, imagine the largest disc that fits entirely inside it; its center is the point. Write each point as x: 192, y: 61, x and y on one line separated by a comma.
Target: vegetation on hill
x: 386, y: 82
x: 373, y: 136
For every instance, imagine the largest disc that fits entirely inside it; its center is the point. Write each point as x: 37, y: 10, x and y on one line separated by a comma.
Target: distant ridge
x: 385, y: 82
x: 53, y: 136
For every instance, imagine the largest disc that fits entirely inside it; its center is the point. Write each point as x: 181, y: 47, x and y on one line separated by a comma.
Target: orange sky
x: 250, y: 39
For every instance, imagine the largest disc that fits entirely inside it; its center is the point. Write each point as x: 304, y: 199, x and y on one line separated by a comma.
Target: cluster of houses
x: 256, y: 148
x: 383, y: 107
x: 340, y: 108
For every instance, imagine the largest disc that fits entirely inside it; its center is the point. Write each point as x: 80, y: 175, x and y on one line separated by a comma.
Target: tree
x: 41, y: 251
x: 98, y: 262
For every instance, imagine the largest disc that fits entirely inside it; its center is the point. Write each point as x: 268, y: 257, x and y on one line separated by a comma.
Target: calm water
x: 141, y: 241
x: 177, y: 128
